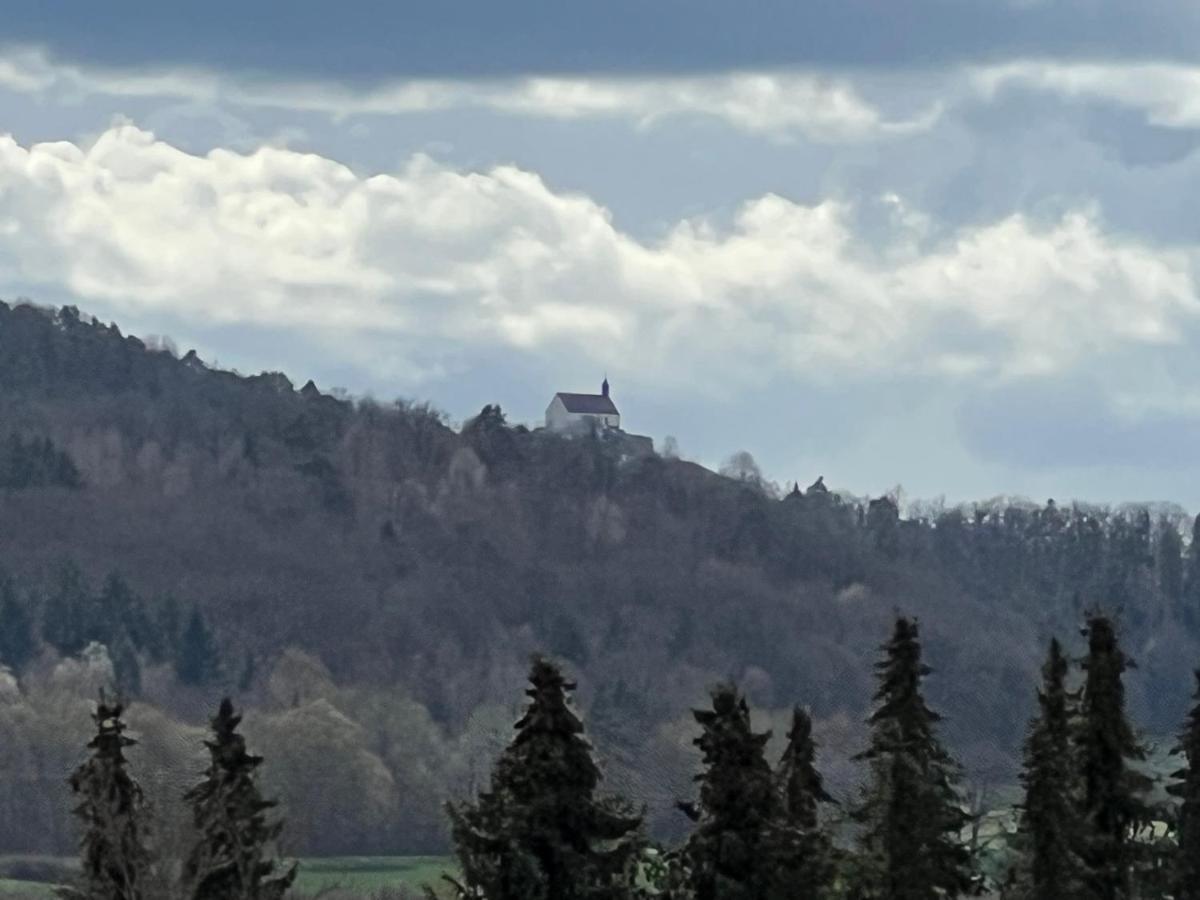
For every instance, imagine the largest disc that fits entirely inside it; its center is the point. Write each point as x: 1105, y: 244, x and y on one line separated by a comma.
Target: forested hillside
x: 372, y: 583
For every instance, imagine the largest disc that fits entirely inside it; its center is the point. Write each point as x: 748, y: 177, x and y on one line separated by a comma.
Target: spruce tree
x: 115, y: 861
x: 16, y: 628
x: 803, y: 787
x: 1186, y: 788
x: 66, y: 617
x: 729, y: 856
x: 232, y: 858
x: 1113, y: 793
x: 198, y: 659
x: 802, y: 854
x: 1191, y: 580
x: 911, y: 815
x: 540, y: 832
x: 1047, y: 834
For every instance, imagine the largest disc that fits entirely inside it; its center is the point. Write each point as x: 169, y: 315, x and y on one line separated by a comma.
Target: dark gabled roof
x: 588, y: 404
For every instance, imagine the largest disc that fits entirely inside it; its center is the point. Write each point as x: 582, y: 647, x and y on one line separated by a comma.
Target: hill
x: 371, y: 582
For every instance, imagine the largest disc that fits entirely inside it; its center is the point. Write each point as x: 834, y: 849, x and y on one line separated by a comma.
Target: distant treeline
x: 68, y: 614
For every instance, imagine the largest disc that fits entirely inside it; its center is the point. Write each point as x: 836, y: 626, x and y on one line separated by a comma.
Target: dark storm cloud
x: 376, y: 39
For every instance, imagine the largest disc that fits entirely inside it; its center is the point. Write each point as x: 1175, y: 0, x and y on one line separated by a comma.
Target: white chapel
x: 575, y: 412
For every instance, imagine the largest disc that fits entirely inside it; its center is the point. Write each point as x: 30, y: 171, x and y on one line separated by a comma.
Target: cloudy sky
x: 946, y: 244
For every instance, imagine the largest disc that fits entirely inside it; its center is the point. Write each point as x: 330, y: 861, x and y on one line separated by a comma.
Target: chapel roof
x: 588, y: 404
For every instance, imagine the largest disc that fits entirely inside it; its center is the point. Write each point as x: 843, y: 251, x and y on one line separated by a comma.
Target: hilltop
x: 341, y: 552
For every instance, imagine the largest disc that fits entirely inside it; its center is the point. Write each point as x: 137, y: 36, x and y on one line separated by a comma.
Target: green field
x: 20, y: 890
x: 354, y: 876
x: 363, y: 874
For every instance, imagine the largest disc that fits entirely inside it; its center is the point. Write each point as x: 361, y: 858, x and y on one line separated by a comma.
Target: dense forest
x: 369, y: 583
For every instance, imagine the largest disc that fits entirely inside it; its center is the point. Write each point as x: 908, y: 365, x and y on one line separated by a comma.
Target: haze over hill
x: 371, y: 583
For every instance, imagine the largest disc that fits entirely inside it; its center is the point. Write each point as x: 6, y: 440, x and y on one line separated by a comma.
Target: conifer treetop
x: 115, y: 861
x: 1185, y: 787
x: 233, y: 855
x: 737, y: 780
x: 901, y: 718
x: 803, y: 786
x: 1048, y: 834
x: 541, y: 832
x: 1114, y: 792
x: 912, y: 811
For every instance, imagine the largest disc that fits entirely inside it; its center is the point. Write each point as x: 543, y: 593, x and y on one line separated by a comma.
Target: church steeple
x: 604, y: 387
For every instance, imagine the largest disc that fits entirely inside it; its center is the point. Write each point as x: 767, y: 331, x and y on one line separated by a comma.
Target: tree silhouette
x: 912, y: 814
x: 198, y: 659
x: 540, y: 832
x: 1113, y: 793
x: 16, y: 628
x: 1048, y: 832
x: 115, y: 861
x: 1186, y: 788
x: 739, y: 804
x: 233, y: 856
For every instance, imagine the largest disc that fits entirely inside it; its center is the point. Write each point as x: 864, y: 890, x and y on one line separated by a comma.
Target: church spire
x: 604, y: 386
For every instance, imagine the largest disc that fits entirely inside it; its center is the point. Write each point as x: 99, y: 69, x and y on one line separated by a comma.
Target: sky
x: 945, y: 245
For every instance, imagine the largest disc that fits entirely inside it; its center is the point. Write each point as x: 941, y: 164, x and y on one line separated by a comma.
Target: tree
x: 912, y: 815
x: 803, y: 788
x: 233, y: 855
x: 115, y: 861
x: 1170, y: 568
x: 1191, y: 583
x: 883, y: 526
x: 1113, y: 793
x: 540, y: 832
x: 66, y: 618
x: 118, y: 611
x: 1186, y: 788
x: 1047, y: 833
x: 198, y: 660
x: 803, y: 854
x: 491, y: 438
x: 127, y: 668
x: 168, y: 629
x: 726, y: 856
x: 16, y: 628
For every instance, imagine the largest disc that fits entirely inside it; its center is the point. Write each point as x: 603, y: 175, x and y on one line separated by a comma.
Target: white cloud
x: 431, y: 263
x: 778, y: 104
x: 1168, y: 93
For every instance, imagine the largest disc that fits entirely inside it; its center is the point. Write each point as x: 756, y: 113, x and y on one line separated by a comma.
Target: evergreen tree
x: 912, y: 815
x: 803, y: 788
x: 248, y: 674
x: 1191, y: 581
x: 1187, y: 789
x: 16, y: 628
x: 1170, y: 568
x: 540, y: 832
x: 729, y: 855
x: 803, y: 855
x: 1113, y: 793
x: 1047, y: 833
x: 66, y: 618
x: 115, y: 861
x: 198, y: 660
x: 118, y: 611
x: 127, y: 668
x: 232, y: 858
x: 168, y: 629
